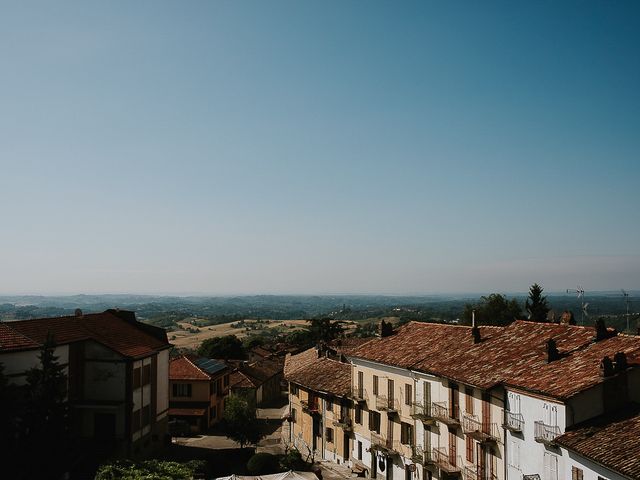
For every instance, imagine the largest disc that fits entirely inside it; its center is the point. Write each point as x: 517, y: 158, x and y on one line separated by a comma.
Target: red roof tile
x: 319, y: 374
x: 610, y: 440
x: 107, y: 328
x: 182, y: 368
x: 12, y: 340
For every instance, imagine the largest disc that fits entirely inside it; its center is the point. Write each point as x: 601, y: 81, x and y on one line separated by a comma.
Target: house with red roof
x: 198, y: 388
x: 117, y: 372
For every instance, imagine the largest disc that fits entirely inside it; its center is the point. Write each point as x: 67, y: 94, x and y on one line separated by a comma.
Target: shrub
x: 263, y: 463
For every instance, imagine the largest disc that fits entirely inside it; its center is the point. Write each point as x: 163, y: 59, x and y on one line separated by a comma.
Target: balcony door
x: 486, y: 413
x: 426, y: 395
x: 454, y: 401
x: 390, y: 391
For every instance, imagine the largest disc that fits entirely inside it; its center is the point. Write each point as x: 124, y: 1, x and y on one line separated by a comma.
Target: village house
x: 488, y: 403
x: 117, y: 373
x: 198, y: 388
x: 320, y: 413
x: 261, y: 380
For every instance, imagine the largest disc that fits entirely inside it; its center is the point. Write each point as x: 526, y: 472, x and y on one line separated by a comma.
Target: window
x: 294, y: 414
x: 550, y: 466
x: 359, y: 450
x: 408, y: 394
x: 219, y: 385
x: 468, y: 392
x: 406, y: 433
x: 576, y: 473
x: 374, y: 421
x: 146, y: 374
x: 453, y: 452
x: 181, y: 389
x: 454, y: 400
x: 358, y: 414
x: 135, y: 421
x: 329, y: 434
x: 328, y: 404
x: 375, y: 385
x: 514, y: 458
x: 294, y: 389
x: 145, y: 416
x: 469, y: 449
x: 136, y: 378
x: 213, y: 388
x: 226, y: 380
x: 214, y: 412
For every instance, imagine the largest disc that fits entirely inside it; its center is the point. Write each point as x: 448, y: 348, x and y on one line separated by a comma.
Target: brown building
x: 260, y: 381
x: 321, y: 416
x: 117, y: 372
x: 197, y: 390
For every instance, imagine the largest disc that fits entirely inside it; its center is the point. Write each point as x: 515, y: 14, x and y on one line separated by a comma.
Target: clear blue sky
x: 319, y: 147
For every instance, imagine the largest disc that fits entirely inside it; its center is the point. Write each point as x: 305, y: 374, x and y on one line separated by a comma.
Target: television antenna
x: 583, y: 305
x: 627, y: 301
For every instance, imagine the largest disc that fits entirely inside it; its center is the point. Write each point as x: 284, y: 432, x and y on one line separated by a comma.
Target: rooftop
x: 611, y: 440
x: 319, y: 374
x: 116, y: 329
x: 188, y: 367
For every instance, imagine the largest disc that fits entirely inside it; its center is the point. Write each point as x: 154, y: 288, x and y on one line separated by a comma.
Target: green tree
x: 239, y: 422
x: 494, y: 309
x: 149, y: 470
x: 536, y: 304
x: 325, y: 329
x: 227, y: 347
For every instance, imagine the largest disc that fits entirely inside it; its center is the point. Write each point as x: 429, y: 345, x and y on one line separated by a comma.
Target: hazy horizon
x: 297, y: 147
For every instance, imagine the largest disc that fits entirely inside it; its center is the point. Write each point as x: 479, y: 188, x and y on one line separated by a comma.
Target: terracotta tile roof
x: 186, y: 368
x: 119, y: 333
x: 240, y: 380
x: 324, y: 375
x: 418, y: 342
x: 303, y: 359
x: 349, y: 344
x: 514, y: 355
x: 320, y: 374
x: 13, y: 340
x: 610, y: 440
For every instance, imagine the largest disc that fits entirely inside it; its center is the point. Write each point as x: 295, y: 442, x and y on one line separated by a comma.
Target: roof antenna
x: 583, y: 305
x: 627, y: 301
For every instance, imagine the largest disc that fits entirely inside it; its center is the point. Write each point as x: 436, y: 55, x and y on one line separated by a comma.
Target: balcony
x: 384, y: 445
x: 447, y: 463
x: 386, y: 404
x: 358, y: 394
x: 474, y: 472
x: 311, y: 406
x: 546, y: 434
x: 443, y: 413
x: 420, y: 411
x: 345, y: 423
x: 513, y: 421
x: 482, y: 432
x: 533, y: 476
x: 422, y: 456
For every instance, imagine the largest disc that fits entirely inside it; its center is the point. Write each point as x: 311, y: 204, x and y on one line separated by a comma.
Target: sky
x: 304, y: 147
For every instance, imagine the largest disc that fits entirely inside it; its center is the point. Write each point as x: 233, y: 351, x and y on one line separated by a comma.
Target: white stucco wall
x: 16, y: 364
x: 590, y: 470
x: 162, y: 401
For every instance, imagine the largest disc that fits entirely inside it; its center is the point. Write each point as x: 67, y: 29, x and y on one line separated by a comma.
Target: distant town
x: 504, y: 387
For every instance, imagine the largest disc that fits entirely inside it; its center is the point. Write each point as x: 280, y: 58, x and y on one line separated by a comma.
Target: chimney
x: 386, y: 329
x: 606, y: 367
x: 601, y: 330
x: 552, y: 351
x: 78, y: 313
x: 473, y: 318
x: 567, y: 318
x: 619, y: 362
x: 475, y: 331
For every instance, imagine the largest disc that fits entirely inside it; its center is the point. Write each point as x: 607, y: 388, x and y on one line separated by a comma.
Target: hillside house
x: 197, y: 391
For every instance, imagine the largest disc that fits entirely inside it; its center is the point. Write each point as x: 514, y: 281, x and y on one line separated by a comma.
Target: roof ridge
x: 196, y: 366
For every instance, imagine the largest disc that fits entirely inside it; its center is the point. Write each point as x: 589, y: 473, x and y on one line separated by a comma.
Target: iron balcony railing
x: 483, y: 432
x: 544, y: 433
x: 358, y: 393
x: 445, y: 462
x: 386, y: 404
x: 442, y: 412
x: 533, y: 476
x: 384, y: 445
x: 421, y: 411
x: 513, y: 421
x: 422, y: 456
